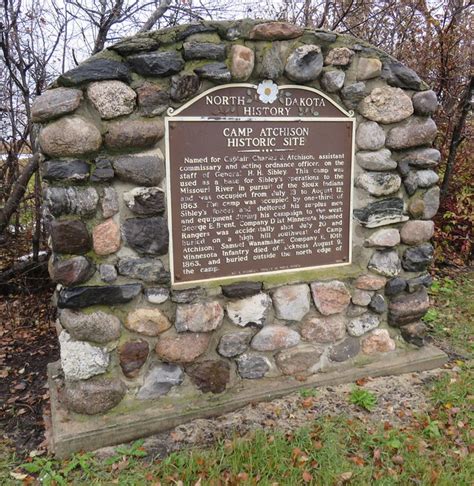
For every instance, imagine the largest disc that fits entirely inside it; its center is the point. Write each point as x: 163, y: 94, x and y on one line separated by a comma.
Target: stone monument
x: 235, y: 210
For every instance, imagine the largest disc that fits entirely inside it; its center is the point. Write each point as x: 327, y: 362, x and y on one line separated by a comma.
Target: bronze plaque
x: 258, y: 194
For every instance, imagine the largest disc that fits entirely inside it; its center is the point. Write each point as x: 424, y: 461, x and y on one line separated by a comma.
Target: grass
x: 451, y: 320
x: 430, y: 449
x: 433, y: 448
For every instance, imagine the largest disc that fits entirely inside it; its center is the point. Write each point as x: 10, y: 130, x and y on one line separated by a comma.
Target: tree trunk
x: 457, y: 137
x: 17, y: 193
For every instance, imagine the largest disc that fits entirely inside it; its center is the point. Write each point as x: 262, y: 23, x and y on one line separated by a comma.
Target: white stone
x: 249, y: 310
x: 379, y: 183
x: 80, y: 360
x: 292, y: 302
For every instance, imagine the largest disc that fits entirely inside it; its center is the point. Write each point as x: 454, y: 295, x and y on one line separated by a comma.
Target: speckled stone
x: 70, y: 136
x: 386, y: 105
x: 330, y: 297
x: 183, y: 348
x: 324, y: 329
x: 252, y: 366
x: 111, y: 98
x: 363, y: 324
x: 199, y: 317
x: 302, y: 360
x: 370, y: 282
x: 106, y: 237
x: 378, y: 341
x: 234, y: 343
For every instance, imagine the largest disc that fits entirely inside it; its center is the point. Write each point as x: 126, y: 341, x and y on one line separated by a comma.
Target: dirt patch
x: 28, y: 342
x: 399, y: 398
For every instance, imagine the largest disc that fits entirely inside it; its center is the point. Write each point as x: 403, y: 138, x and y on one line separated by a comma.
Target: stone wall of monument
x: 124, y: 332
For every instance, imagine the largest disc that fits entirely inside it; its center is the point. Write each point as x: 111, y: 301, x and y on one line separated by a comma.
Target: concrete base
x: 129, y: 421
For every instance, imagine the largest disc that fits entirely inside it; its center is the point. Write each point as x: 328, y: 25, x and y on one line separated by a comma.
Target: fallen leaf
x: 307, y: 476
x: 18, y: 476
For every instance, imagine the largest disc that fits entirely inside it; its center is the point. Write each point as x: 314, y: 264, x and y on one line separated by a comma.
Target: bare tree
x: 27, y: 46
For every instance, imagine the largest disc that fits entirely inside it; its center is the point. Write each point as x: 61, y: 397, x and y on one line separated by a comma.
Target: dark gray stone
x: 217, y: 72
x: 395, y: 286
x: 405, y: 308
x: 252, y: 366
x: 108, y: 273
x: 95, y: 70
x: 411, y: 182
x: 396, y: 74
x: 72, y: 271
x: 210, y: 376
x: 380, y: 213
x: 333, y: 80
x: 137, y: 43
x: 183, y: 86
x: 241, y: 290
x: 93, y: 396
x: 323, y: 36
x: 70, y: 237
x: 187, y: 296
x: 65, y: 170
x: 425, y: 103
x: 304, y: 64
x: 349, y: 348
x: 78, y: 297
x: 353, y: 94
x: 144, y: 169
x: 355, y: 310
x: 146, y: 269
x: 204, y: 50
x: 159, y: 381
x: 145, y: 201
x: 421, y: 158
x: 148, y: 236
x: 194, y: 29
x: 156, y: 63
x: 417, y: 258
x: 234, y: 343
x: 416, y: 283
x: 103, y: 171
x: 378, y: 304
x: 153, y: 100
x: 415, y: 333
x: 71, y: 200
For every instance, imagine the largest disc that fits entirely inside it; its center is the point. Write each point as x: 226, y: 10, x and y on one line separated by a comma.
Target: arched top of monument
x: 203, y: 48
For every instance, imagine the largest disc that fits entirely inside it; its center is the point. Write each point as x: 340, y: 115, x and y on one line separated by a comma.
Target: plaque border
x: 171, y: 117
